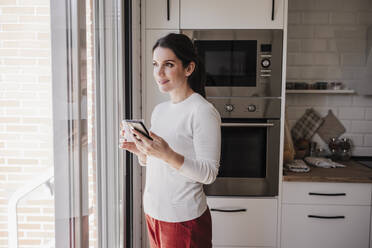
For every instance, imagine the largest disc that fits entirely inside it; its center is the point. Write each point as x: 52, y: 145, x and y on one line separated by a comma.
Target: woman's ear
x: 190, y: 68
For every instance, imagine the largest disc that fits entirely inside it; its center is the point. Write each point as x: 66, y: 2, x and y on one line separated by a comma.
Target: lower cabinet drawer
x: 326, y: 193
x: 326, y: 226
x: 254, y: 227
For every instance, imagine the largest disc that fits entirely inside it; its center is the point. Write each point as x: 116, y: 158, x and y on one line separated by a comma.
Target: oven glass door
x: 244, y: 149
x: 229, y: 63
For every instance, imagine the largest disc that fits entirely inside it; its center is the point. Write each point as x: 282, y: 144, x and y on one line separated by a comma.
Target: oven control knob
x: 265, y: 63
x: 251, y: 108
x: 229, y: 107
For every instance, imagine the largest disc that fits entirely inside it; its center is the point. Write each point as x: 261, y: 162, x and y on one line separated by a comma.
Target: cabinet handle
x: 327, y: 194
x: 168, y: 17
x: 229, y: 210
x: 326, y: 217
x: 272, y: 10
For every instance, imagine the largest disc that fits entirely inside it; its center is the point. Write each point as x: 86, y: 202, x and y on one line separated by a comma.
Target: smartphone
x: 137, y: 125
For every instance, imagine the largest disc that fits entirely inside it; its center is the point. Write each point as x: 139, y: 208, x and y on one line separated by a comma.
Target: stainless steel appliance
x: 241, y: 62
x: 250, y: 147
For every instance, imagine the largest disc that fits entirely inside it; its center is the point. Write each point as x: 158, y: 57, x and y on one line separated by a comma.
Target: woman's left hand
x: 157, y: 147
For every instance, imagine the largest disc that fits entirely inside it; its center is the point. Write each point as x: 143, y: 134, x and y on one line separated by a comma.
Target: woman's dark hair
x: 183, y: 48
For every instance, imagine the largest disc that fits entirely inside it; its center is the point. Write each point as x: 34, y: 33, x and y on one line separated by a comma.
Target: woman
x: 184, y: 153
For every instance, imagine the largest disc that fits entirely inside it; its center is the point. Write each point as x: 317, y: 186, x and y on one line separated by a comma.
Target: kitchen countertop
x: 354, y: 172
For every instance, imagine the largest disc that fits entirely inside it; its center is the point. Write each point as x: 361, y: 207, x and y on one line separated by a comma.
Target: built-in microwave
x: 240, y: 62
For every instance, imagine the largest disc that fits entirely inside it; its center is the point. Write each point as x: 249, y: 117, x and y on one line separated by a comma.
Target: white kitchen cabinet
x: 325, y: 215
x: 160, y: 15
x: 326, y: 193
x: 370, y: 233
x: 237, y: 14
x: 151, y: 94
x: 255, y: 227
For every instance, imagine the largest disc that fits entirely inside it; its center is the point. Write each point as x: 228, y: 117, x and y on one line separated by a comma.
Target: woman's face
x: 169, y: 73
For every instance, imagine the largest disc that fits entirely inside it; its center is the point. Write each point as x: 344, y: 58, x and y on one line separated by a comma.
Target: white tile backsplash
x: 300, y: 31
x: 350, y: 45
x: 339, y: 100
x: 295, y: 18
x: 315, y: 17
x: 294, y: 45
x: 368, y: 114
x: 328, y: 5
x: 311, y: 100
x: 356, y: 5
x: 309, y: 72
x: 301, y: 5
x: 361, y: 126
x: 353, y: 59
x: 329, y: 59
x: 327, y: 41
x: 314, y: 45
x: 364, y: 18
x: 342, y: 18
x: 362, y: 101
x: 362, y: 151
x: 294, y: 113
x: 323, y: 31
x: 356, y: 31
x: 351, y: 113
x: 368, y: 140
x: 347, y: 124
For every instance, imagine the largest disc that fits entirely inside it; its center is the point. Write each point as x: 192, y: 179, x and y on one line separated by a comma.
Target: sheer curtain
x: 90, y: 98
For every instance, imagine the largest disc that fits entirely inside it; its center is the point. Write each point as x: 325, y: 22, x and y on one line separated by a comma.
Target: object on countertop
x: 345, y: 144
x: 322, y: 162
x: 340, y: 149
x: 298, y: 165
x: 289, y: 150
x: 313, y: 147
x: 307, y: 125
x: 321, y: 85
x: 301, y: 86
x: 336, y: 86
x: 320, y: 152
x: 302, y: 148
x: 290, y: 85
x: 331, y: 127
x: 333, y: 144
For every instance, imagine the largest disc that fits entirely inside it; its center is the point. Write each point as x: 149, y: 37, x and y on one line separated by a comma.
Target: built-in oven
x: 250, y: 137
x: 240, y: 62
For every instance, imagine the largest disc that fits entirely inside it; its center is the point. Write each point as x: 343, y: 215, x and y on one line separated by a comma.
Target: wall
x: 26, y: 144
x: 26, y: 125
x: 327, y: 41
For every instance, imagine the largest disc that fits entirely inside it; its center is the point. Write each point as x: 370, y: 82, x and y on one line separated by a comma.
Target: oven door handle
x: 247, y: 124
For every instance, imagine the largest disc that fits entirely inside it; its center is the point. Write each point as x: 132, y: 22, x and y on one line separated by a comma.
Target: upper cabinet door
x: 237, y: 14
x: 162, y: 14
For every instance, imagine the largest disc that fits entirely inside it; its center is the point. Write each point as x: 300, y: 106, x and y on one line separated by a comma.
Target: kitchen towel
x: 307, y: 125
x: 331, y: 127
x: 297, y: 165
x: 322, y: 162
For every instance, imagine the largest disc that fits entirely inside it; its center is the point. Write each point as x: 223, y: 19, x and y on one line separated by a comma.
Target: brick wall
x: 26, y: 131
x: 327, y: 41
x: 26, y: 148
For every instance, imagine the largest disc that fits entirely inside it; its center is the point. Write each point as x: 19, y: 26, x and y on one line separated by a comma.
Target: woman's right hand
x: 129, y: 146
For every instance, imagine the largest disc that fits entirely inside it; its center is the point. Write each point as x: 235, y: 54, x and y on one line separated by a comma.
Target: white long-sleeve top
x: 192, y: 129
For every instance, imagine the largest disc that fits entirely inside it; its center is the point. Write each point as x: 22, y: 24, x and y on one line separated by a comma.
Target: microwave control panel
x: 265, y: 60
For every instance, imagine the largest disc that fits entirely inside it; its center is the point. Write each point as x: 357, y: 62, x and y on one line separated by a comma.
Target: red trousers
x: 196, y: 233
